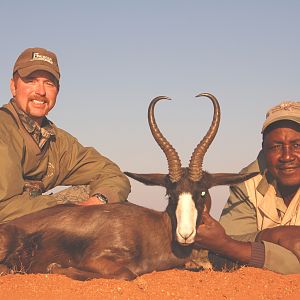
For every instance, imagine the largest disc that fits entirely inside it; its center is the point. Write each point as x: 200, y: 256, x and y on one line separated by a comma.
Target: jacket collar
x: 265, y: 182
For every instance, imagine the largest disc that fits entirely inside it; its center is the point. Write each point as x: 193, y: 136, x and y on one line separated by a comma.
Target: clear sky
x: 115, y: 56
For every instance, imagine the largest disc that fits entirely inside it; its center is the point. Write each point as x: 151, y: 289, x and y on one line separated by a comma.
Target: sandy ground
x: 245, y: 283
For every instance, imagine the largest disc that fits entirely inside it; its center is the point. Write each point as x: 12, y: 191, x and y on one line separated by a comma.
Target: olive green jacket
x: 250, y: 209
x: 64, y: 162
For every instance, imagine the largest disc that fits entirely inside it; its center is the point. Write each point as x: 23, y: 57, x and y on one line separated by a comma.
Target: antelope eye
x: 203, y: 194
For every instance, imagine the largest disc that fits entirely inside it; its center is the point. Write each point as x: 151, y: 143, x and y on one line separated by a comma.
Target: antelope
x: 120, y: 240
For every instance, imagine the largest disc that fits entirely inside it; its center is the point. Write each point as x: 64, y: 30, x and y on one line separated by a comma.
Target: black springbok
x: 121, y: 240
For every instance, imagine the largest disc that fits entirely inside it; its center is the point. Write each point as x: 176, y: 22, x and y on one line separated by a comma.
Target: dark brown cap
x: 36, y: 59
x: 283, y: 111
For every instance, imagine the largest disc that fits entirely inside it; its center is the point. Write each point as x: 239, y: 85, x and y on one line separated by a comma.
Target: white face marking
x: 186, y: 214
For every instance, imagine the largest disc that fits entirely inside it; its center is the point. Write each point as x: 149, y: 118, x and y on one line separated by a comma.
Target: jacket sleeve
x: 84, y: 165
x: 24, y: 204
x: 280, y: 260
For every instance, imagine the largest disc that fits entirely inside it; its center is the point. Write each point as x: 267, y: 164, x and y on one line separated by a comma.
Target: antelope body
x: 120, y: 240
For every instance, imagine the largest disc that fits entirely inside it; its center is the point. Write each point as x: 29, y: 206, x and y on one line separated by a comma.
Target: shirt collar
x: 41, y: 134
x: 273, y: 205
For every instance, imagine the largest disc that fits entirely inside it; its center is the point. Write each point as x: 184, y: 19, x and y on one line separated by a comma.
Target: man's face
x: 35, y: 94
x: 282, y: 152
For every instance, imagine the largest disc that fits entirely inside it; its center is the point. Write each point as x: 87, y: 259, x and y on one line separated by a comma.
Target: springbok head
x: 187, y: 188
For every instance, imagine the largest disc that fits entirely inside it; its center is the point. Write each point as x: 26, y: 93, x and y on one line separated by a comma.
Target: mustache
x: 38, y: 98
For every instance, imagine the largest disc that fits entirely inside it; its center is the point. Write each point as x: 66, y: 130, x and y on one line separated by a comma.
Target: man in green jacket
x: 260, y: 224
x: 36, y: 156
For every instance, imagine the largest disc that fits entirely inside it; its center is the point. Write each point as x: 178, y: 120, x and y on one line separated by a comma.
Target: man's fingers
x: 206, y: 218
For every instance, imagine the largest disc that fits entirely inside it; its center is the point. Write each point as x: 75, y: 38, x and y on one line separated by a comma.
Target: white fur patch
x: 186, y: 214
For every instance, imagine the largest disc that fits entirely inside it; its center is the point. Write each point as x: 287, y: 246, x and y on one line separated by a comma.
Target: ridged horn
x: 174, y: 163
x: 195, y: 166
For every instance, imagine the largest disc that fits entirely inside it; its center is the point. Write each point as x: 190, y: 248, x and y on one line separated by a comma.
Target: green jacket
x: 245, y: 214
x: 64, y: 162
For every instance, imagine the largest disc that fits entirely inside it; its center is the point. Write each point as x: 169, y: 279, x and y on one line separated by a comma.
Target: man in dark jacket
x: 36, y: 156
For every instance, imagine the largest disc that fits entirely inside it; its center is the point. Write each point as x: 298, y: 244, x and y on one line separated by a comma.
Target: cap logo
x: 285, y: 106
x: 37, y: 56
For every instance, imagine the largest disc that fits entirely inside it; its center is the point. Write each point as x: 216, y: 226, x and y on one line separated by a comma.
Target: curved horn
x: 174, y: 163
x: 195, y: 166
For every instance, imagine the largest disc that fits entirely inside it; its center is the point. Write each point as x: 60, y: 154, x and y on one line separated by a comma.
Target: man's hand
x: 293, y: 245
x: 211, y: 235
x: 91, y: 201
x: 285, y: 236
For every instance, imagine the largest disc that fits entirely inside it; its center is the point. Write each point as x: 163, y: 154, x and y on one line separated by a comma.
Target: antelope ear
x: 230, y: 178
x: 149, y: 179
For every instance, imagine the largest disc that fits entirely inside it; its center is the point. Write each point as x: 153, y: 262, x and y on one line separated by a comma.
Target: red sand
x: 245, y: 283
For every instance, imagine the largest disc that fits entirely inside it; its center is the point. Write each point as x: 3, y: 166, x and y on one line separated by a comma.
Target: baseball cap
x: 284, y: 111
x: 36, y: 59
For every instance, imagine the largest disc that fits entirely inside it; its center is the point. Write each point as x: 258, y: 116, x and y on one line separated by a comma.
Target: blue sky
x: 115, y: 56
